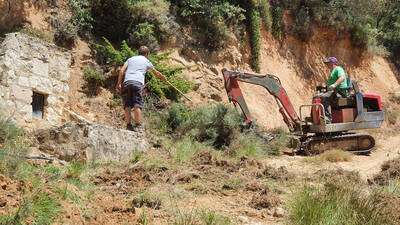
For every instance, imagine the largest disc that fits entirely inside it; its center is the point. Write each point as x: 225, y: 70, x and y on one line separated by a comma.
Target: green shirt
x: 337, y: 72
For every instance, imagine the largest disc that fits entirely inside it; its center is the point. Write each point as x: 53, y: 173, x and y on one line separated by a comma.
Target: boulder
x: 91, y: 142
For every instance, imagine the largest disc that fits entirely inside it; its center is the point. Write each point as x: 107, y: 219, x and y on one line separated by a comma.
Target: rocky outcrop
x: 90, y: 142
x: 27, y: 66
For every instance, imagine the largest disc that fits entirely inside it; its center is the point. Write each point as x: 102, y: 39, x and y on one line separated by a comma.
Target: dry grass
x: 334, y: 155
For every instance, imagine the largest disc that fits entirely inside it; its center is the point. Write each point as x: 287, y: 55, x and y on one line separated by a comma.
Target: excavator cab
x: 356, y: 111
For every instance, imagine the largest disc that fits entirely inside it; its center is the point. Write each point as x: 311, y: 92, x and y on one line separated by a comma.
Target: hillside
x: 193, y: 163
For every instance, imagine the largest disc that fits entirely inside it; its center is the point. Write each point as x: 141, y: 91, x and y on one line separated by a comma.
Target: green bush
x: 338, y: 203
x: 66, y: 34
x: 212, y: 124
x: 211, y: 20
x: 153, y: 20
x: 255, y: 33
x: 177, y: 115
x: 144, y: 34
x: 265, y: 13
x: 111, y: 19
x: 248, y: 145
x: 12, y: 145
x: 277, y: 26
x: 81, y: 16
x: 94, y: 79
x: 109, y: 56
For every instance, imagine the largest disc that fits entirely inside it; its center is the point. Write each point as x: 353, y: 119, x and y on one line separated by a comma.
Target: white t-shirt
x: 137, y: 68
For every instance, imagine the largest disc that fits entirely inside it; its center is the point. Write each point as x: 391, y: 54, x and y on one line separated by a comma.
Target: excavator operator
x: 337, y: 84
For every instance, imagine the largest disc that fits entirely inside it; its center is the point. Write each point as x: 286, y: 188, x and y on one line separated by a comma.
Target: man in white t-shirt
x: 132, y: 74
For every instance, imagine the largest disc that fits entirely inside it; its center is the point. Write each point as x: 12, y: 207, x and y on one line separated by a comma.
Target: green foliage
x: 248, y: 145
x: 75, y: 170
x: 94, y: 79
x: 255, y: 33
x: 45, y: 209
x: 66, y: 34
x: 389, y: 26
x: 12, y: 146
x: 211, y: 19
x: 336, y: 203
x: 111, y: 19
x: 280, y: 141
x: 109, y: 56
x: 153, y: 23
x: 185, y: 149
x: 265, y: 13
x: 41, y: 207
x: 277, y: 27
x: 81, y: 16
x: 144, y: 34
x: 211, y: 124
x: 177, y: 115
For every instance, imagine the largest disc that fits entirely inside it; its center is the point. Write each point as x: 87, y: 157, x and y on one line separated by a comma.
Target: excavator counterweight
x: 315, y: 134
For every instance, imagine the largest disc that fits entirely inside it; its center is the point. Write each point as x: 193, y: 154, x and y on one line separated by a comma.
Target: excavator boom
x: 273, y: 86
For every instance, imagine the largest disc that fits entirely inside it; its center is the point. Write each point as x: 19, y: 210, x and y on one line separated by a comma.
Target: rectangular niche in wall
x: 38, y: 104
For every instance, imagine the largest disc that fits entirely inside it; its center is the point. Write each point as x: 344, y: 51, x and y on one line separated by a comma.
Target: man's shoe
x: 129, y: 127
x: 138, y: 128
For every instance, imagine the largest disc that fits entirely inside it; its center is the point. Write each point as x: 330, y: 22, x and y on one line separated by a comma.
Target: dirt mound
x: 265, y: 200
x: 390, y: 170
x: 10, y: 194
x: 281, y: 173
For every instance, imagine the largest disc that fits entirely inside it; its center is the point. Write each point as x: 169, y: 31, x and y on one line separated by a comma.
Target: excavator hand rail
x: 312, y: 105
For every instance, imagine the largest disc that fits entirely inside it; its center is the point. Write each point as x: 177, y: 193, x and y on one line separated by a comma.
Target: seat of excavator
x: 341, y: 103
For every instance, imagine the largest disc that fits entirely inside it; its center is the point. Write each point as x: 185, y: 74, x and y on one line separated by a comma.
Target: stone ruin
x: 34, y: 78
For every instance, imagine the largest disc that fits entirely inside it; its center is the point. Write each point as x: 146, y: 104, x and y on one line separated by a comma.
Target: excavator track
x: 355, y: 143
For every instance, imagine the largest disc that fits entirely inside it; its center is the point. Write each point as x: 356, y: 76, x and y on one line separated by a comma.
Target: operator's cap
x: 331, y: 59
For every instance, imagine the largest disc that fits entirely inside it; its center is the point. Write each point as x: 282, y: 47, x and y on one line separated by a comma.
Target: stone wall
x: 30, y: 65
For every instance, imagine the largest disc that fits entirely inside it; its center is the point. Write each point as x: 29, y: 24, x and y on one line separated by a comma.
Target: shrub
x: 66, y: 34
x: 94, y: 79
x: 109, y: 56
x: 340, y: 203
x: 248, y: 145
x: 212, y: 124
x: 277, y: 26
x: 154, y: 14
x: 265, y: 13
x: 12, y: 145
x: 111, y: 14
x: 211, y: 20
x: 177, y: 115
x: 81, y: 16
x: 144, y: 34
x: 255, y: 33
x: 186, y: 149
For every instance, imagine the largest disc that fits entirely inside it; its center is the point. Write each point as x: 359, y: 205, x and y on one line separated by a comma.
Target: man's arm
x: 338, y: 82
x: 158, y: 74
x: 121, y: 76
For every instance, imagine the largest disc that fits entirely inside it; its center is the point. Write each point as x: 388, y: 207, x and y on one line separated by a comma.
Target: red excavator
x: 314, y: 134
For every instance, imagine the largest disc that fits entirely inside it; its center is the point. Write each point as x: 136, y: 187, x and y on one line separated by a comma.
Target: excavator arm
x: 273, y: 86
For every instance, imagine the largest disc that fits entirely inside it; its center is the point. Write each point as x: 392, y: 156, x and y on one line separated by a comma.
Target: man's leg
x: 138, y: 115
x: 326, y: 102
x: 128, y: 116
x: 128, y: 103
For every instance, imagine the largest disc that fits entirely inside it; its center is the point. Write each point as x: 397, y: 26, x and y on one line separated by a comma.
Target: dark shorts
x: 132, y: 94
